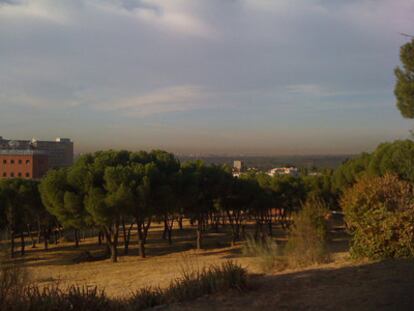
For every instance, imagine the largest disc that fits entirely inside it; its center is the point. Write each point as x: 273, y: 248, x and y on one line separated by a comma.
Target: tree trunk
x: 112, y: 241
x: 76, y: 238
x: 180, y: 222
x: 114, y: 253
x: 142, y: 235
x: 127, y: 237
x: 11, y: 243
x: 199, y: 234
x: 124, y: 234
x: 56, y: 236
x: 39, y: 230
x: 46, y: 239
x: 29, y: 230
x: 165, y: 232
x: 22, y: 244
x: 270, y: 227
x: 141, y: 241
x: 142, y: 248
x: 100, y: 238
x: 169, y: 236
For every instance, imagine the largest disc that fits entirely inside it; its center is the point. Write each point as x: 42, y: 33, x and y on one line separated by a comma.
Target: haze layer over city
x: 253, y: 77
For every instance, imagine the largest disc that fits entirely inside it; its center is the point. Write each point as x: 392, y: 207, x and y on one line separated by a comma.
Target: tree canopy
x: 404, y: 87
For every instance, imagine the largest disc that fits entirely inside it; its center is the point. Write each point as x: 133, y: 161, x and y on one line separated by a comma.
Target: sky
x: 259, y: 77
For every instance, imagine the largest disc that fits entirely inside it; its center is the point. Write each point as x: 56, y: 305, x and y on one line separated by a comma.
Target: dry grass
x: 131, y: 273
x: 163, y: 264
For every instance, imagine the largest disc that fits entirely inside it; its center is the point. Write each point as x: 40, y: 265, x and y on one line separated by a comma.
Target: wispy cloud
x: 169, y: 16
x: 44, y: 10
x: 172, y: 99
x: 310, y: 90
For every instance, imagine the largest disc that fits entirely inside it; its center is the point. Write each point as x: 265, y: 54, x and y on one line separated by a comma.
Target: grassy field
x: 164, y: 262
x: 341, y: 283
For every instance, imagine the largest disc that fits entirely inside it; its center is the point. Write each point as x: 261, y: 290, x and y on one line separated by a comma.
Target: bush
x: 308, y: 236
x: 379, y: 212
x: 266, y: 251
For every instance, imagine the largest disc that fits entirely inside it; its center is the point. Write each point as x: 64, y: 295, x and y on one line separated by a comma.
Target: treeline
x: 116, y: 191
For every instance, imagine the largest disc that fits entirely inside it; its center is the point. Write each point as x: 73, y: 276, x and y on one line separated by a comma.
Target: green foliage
x: 308, y: 236
x: 404, y: 87
x: 320, y: 187
x: 395, y: 157
x: 349, y: 172
x: 379, y: 212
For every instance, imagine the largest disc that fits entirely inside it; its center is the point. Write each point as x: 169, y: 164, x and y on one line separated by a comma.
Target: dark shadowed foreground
x: 376, y: 286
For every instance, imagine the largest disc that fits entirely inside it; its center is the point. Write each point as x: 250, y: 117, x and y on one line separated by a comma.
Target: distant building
x: 32, y: 158
x: 238, y: 168
x: 292, y: 171
x: 315, y: 174
x: 30, y: 164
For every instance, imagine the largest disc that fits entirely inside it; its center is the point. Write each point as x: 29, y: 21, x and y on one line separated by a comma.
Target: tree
x: 379, y: 211
x: 348, y: 172
x: 20, y: 200
x: 404, y: 87
x: 396, y: 157
x: 108, y: 195
x: 63, y: 193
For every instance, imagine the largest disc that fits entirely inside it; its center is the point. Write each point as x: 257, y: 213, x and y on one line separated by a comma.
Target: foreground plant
x: 190, y: 285
x: 379, y: 212
x: 308, y: 236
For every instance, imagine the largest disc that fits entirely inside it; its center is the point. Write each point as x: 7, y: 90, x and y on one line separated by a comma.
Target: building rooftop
x: 22, y: 152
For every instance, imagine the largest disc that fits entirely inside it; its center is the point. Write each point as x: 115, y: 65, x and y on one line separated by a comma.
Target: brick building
x: 31, y: 164
x: 32, y: 158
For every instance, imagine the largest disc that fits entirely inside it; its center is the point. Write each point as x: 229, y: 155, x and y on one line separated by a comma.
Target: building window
x: 11, y: 174
x: 20, y: 161
x: 12, y: 161
x: 4, y: 174
x: 4, y: 161
x: 27, y: 175
x: 27, y: 161
x: 19, y: 174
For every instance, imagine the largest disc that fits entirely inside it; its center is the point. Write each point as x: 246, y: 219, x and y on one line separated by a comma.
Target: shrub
x: 81, y: 298
x: 379, y: 212
x: 266, y: 251
x: 145, y: 298
x: 216, y: 278
x: 308, y: 236
x: 13, y: 279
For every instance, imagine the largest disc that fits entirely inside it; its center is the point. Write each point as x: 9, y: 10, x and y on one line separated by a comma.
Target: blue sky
x: 204, y: 76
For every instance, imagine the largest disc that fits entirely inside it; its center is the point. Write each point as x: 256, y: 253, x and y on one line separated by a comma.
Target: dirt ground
x: 341, y: 284
x: 370, y: 286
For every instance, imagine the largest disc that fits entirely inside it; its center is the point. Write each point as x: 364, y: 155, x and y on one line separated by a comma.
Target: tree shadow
x: 387, y: 285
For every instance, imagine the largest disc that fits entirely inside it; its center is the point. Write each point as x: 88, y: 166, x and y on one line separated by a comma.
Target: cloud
x: 168, y: 16
x: 43, y: 10
x: 172, y: 99
x: 309, y: 89
x: 231, y: 65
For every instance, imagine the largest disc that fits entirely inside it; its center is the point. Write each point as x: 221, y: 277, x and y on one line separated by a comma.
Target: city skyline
x: 211, y: 77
